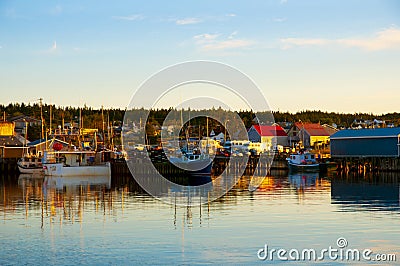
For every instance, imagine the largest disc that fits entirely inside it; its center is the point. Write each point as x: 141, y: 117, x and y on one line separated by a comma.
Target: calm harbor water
x: 103, y: 221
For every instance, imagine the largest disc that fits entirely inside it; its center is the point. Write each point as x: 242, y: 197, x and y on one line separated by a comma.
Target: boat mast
x: 80, y: 128
x: 26, y: 136
x: 51, y: 117
x: 41, y: 117
x: 108, y: 128
x: 102, y: 119
x: 207, y: 151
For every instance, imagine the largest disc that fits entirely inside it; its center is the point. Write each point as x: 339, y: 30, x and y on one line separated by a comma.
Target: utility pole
x: 63, y: 128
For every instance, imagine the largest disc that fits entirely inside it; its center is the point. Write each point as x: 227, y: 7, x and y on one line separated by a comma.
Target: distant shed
x: 379, y: 142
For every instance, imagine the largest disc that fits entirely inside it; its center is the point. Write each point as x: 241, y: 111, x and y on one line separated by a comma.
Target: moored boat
x: 303, y: 162
x: 196, y: 165
x: 75, y: 163
x: 30, y: 165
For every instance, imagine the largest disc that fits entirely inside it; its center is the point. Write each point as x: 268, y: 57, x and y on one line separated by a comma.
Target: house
x: 309, y: 135
x: 6, y: 128
x: 22, y: 121
x: 10, y: 145
x: 379, y: 142
x: 271, y: 135
x: 330, y: 129
x: 379, y: 123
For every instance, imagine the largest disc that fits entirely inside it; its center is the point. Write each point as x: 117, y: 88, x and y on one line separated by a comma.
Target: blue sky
x: 321, y: 55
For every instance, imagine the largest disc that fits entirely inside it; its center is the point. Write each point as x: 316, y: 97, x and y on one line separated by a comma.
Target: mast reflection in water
x: 113, y: 221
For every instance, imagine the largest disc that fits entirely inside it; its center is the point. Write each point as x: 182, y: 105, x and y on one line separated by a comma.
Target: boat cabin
x: 71, y: 158
x: 303, y: 158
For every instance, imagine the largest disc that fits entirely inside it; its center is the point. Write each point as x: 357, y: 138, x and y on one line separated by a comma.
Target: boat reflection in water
x: 64, y: 197
x: 73, y: 181
x: 303, y: 180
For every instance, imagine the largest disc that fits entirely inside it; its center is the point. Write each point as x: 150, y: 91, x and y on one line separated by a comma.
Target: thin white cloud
x: 205, y: 38
x: 231, y: 15
x: 382, y: 40
x: 232, y: 35
x: 228, y: 44
x: 283, y: 1
x: 386, y: 39
x: 53, y: 48
x: 291, y: 42
x: 187, y: 21
x: 213, y: 42
x: 130, y: 17
x: 279, y: 20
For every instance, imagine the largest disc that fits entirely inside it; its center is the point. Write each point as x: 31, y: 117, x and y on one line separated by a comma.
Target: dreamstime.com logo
x: 340, y: 252
x: 197, y: 89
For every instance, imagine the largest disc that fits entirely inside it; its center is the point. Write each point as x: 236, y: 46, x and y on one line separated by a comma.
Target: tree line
x: 94, y: 118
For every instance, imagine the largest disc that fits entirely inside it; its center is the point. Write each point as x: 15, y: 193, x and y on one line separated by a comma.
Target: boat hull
x: 303, y: 167
x: 206, y: 171
x: 30, y: 170
x: 194, y: 168
x: 58, y: 169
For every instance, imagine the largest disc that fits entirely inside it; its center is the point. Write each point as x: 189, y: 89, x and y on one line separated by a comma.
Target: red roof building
x: 275, y: 134
x: 309, y: 134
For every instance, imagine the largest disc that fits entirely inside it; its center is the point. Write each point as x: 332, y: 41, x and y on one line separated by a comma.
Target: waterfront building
x: 364, y: 143
x: 309, y: 135
x: 22, y: 121
x: 10, y: 145
x: 270, y: 136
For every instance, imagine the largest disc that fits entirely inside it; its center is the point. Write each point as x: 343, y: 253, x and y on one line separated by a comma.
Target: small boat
x: 30, y: 165
x: 303, y: 162
x: 75, y: 163
x: 196, y: 165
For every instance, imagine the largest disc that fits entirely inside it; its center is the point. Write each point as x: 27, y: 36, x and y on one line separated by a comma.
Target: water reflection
x: 70, y: 197
x: 66, y: 198
x: 368, y: 193
x: 302, y: 181
x: 103, y: 221
x: 73, y: 182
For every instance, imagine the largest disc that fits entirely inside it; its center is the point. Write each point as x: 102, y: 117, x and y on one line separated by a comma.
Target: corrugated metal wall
x: 364, y: 147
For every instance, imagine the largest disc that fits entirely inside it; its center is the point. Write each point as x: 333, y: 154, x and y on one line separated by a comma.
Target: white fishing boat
x: 75, y: 163
x: 303, y: 162
x: 30, y: 165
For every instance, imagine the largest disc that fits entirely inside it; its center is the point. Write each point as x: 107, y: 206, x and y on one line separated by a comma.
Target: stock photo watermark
x: 340, y: 252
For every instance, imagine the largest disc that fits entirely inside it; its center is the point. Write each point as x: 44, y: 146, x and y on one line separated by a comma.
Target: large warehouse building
x: 366, y: 143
